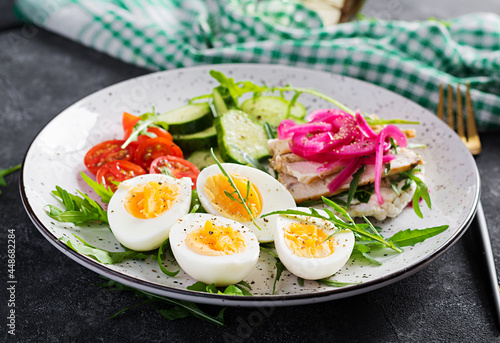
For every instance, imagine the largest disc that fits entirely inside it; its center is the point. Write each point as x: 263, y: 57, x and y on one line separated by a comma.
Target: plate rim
x: 231, y: 300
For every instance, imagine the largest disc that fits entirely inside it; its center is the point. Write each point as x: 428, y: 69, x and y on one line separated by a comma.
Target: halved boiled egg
x: 213, y: 249
x: 263, y: 194
x: 143, y: 209
x: 312, y: 248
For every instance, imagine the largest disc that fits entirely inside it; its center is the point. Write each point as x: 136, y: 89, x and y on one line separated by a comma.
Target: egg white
x: 146, y: 234
x: 221, y: 270
x: 313, y: 268
x: 274, y: 196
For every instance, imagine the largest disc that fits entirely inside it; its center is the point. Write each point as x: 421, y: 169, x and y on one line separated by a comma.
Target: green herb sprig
x: 237, y: 89
x: 353, y: 186
x: 420, y: 192
x: 240, y: 289
x: 77, y: 209
x: 80, y: 209
x: 280, y: 267
x: 161, y: 255
x: 177, y: 309
x: 236, y: 194
x: 349, y: 224
x: 103, y: 256
x: 5, y: 172
x: 146, y: 120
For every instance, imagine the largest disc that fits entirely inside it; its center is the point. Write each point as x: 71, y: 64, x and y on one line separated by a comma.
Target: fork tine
x: 460, y: 116
x: 474, y: 143
x: 440, y: 109
x: 449, y: 95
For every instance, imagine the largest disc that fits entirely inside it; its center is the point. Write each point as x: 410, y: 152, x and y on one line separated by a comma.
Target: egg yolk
x: 308, y: 241
x: 216, y: 187
x: 214, y: 240
x: 151, y: 199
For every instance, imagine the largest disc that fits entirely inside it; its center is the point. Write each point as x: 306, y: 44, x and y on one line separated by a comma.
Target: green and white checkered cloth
x: 409, y: 58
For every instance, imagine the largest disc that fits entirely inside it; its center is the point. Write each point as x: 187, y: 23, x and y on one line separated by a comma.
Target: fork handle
x: 490, y: 260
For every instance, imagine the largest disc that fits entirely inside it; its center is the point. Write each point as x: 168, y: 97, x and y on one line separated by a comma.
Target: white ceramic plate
x: 56, y: 158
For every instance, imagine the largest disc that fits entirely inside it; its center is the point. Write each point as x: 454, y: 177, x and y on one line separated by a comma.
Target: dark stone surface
x: 40, y: 75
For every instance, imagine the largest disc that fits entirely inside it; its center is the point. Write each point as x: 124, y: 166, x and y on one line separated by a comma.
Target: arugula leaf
x: 280, y: 267
x: 78, y: 209
x: 160, y: 263
x: 416, y: 146
x: 99, y: 189
x: 372, y: 122
x: 238, y: 289
x: 363, y: 194
x: 5, y: 172
x: 236, y: 89
x: 300, y: 281
x: 212, y: 289
x: 198, y: 286
x: 271, y: 131
x: 371, y: 259
x: 394, y: 146
x: 243, y: 284
x: 291, y: 103
x: 421, y: 191
x: 315, y: 93
x: 179, y: 308
x: 233, y: 290
x: 332, y: 283
x: 353, y: 186
x: 196, y: 203
x: 410, y: 237
x: 362, y: 249
x: 103, y: 256
x: 166, y: 171
x: 394, y: 186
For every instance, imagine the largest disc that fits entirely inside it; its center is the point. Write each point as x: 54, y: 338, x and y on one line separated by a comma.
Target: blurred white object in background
x: 333, y: 12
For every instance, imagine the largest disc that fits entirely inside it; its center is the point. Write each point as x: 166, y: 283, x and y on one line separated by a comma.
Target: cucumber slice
x: 222, y: 101
x: 203, y: 158
x: 202, y: 140
x: 237, y: 134
x: 188, y: 119
x: 272, y: 109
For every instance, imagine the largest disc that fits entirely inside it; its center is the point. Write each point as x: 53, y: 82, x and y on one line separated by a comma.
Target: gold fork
x: 471, y: 140
x: 474, y: 145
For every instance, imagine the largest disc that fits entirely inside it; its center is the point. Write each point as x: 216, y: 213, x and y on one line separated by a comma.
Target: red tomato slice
x: 177, y: 166
x: 159, y: 132
x: 156, y: 131
x: 107, y: 151
x: 128, y: 122
x: 153, y: 148
x: 117, y: 171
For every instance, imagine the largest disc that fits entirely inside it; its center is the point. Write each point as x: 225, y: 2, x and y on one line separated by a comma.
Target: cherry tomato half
x: 107, y: 151
x: 177, y: 166
x: 117, y: 171
x: 128, y: 122
x: 153, y: 148
x: 159, y: 132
